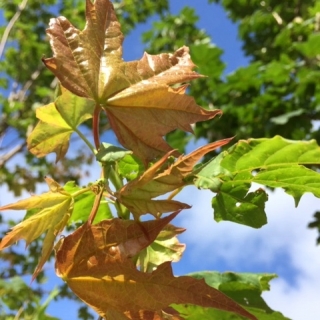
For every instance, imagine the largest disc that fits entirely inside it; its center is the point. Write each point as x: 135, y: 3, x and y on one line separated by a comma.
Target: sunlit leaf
x: 83, y: 204
x: 137, y: 96
x: 95, y: 262
x: 166, y: 247
x: 57, y: 122
x: 55, y: 210
x: 244, y: 288
x: 275, y: 162
x: 138, y: 195
x: 110, y: 153
x: 130, y: 167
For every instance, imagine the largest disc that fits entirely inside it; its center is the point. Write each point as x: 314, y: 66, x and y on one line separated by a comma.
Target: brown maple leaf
x: 138, y: 195
x: 95, y: 262
x: 137, y: 96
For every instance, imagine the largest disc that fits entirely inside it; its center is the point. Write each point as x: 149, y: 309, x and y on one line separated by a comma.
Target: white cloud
x: 284, y: 245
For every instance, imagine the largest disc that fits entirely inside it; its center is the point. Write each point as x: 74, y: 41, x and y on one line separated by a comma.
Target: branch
x: 22, y: 93
x: 6, y: 157
x: 11, y: 153
x: 10, y: 25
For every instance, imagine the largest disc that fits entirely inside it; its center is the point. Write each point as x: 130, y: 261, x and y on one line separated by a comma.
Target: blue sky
x: 285, y: 246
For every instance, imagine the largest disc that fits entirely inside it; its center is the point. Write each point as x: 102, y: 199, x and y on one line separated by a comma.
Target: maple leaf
x: 167, y: 314
x: 95, y: 262
x: 120, y: 240
x: 137, y: 96
x: 58, y: 121
x: 55, y: 209
x: 166, y: 247
x: 138, y: 195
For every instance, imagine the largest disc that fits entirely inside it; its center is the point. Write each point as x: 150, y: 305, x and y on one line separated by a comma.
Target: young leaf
x: 57, y: 122
x: 244, y: 288
x: 110, y: 153
x: 137, y: 96
x: 138, y: 194
x: 166, y: 247
x: 83, y: 204
x: 55, y: 210
x: 130, y: 167
x: 95, y: 262
x: 275, y: 162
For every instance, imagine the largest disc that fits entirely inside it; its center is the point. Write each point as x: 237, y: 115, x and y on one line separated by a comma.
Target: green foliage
x: 276, y: 163
x: 283, y: 75
x: 28, y: 304
x: 130, y: 167
x: 245, y: 288
x: 57, y: 122
x: 83, y: 204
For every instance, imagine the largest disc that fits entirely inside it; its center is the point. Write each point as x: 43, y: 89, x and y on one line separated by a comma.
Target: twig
x: 11, y: 153
x: 95, y: 126
x: 6, y: 157
x: 10, y: 25
x: 96, y: 205
x: 87, y: 142
x: 22, y: 93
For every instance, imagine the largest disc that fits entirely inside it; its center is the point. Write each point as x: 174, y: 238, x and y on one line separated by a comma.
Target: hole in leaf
x: 254, y: 172
x: 238, y: 204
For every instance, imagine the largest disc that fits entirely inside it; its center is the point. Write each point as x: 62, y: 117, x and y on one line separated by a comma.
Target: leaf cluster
x: 118, y: 266
x: 99, y: 258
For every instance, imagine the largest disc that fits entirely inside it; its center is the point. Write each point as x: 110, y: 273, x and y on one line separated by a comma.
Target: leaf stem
x: 87, y: 142
x: 99, y: 183
x: 96, y: 205
x: 174, y: 193
x: 84, y: 190
x: 115, y: 178
x: 95, y: 126
x: 117, y: 182
x: 122, y: 211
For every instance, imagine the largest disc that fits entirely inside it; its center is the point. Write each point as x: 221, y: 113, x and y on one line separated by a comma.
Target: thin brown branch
x: 10, y: 25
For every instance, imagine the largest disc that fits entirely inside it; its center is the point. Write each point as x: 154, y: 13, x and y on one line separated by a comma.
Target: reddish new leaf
x: 137, y: 96
x: 184, y: 165
x: 138, y: 195
x: 95, y: 262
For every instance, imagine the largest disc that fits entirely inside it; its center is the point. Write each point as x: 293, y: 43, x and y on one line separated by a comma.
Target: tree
x: 20, y: 107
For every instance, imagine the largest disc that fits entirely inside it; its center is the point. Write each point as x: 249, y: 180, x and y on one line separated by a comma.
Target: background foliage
x: 277, y: 93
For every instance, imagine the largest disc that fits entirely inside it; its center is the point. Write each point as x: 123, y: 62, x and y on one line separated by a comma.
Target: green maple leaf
x: 58, y: 121
x: 276, y: 163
